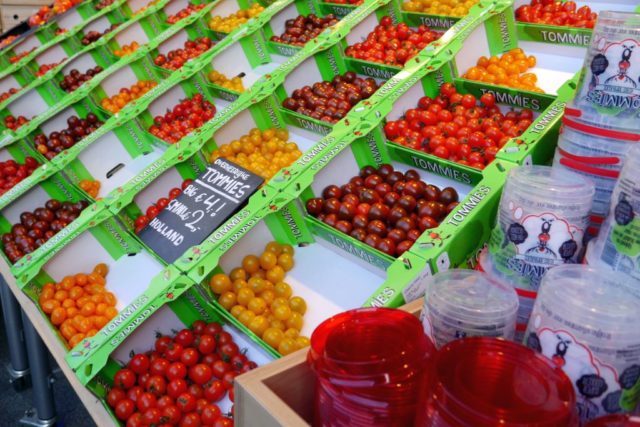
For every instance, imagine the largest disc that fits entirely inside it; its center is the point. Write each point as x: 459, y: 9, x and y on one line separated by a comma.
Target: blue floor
x: 70, y: 411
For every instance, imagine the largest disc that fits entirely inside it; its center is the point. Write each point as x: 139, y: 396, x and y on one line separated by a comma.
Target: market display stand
x: 281, y: 393
x: 41, y: 325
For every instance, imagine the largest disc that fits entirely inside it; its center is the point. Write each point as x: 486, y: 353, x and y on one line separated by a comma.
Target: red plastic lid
x: 484, y: 381
x: 618, y: 420
x: 380, y: 345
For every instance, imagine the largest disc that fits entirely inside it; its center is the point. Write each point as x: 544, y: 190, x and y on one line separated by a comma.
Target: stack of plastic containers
x: 542, y: 218
x: 617, y: 247
x: 466, y: 303
x: 586, y: 321
x: 369, y: 364
x: 488, y: 382
x: 603, y: 122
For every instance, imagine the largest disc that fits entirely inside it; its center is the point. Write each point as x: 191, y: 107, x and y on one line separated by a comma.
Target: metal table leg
x: 19, y: 366
x: 44, y: 413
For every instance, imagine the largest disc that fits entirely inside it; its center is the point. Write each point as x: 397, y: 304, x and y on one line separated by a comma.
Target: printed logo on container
x: 539, y: 242
x: 615, y: 76
x: 599, y: 388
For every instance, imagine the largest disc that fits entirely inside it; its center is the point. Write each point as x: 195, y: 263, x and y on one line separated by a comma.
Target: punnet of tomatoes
x: 181, y: 381
x: 176, y: 58
x: 331, y: 101
x: 554, y: 12
x: 184, y: 12
x: 152, y: 211
x: 458, y: 127
x: 301, y: 29
x: 255, y: 293
x: 19, y: 56
x: 392, y: 44
x: 384, y: 207
x: 12, y: 172
x: 45, y: 68
x: 13, y: 123
x: 187, y: 116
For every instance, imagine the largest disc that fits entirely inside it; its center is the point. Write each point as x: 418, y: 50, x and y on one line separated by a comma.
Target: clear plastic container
x: 488, y: 382
x: 608, y: 94
x: 542, y: 218
x: 603, y: 179
x: 462, y: 303
x: 618, y: 245
x: 526, y: 298
x: 586, y: 321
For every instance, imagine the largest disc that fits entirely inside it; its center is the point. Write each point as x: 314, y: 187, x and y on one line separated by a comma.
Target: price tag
x: 202, y: 207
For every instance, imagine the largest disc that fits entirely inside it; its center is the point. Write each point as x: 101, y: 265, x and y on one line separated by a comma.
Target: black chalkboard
x: 219, y: 192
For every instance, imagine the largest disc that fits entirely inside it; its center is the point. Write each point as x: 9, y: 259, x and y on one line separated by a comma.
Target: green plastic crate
x: 131, y: 271
x: 139, y: 334
x: 276, y: 27
x: 18, y: 151
x: 90, y: 58
x: 56, y: 54
x: 30, y: 103
x: 127, y: 150
x: 247, y: 58
x: 123, y: 78
x: 142, y: 31
x: 174, y: 42
x: 54, y: 187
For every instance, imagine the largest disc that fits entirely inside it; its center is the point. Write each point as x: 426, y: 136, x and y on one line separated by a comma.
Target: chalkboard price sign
x: 203, y: 206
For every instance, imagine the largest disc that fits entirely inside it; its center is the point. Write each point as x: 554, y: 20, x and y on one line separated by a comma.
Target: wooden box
x: 13, y: 14
x: 281, y: 393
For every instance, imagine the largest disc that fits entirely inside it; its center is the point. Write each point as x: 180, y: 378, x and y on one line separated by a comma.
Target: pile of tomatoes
x: 19, y: 56
x: 510, y: 69
x: 185, y: 117
x: 12, y: 172
x: 180, y: 380
x: 8, y: 94
x: 453, y: 126
x: 153, y: 210
x: 392, y: 44
x: 178, y: 57
x: 79, y: 305
x: 384, y: 208
x: 554, y: 12
x: 256, y: 294
x: 44, y: 68
x: 184, y: 12
x: 13, y: 123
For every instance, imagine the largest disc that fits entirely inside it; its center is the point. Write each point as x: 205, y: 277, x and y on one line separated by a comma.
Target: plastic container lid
x: 550, y: 184
x: 597, y: 299
x: 374, y: 343
x: 471, y: 297
x: 483, y: 381
x: 617, y: 420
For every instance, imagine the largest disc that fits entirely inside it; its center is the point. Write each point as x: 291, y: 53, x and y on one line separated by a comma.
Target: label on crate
x: 554, y: 35
x: 439, y: 22
x: 284, y: 50
x: 372, y: 69
x: 202, y: 207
